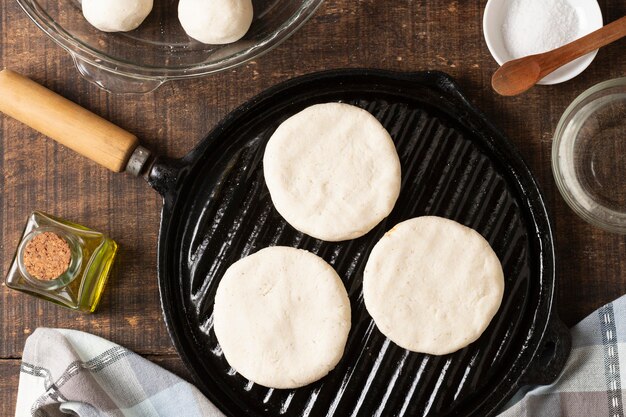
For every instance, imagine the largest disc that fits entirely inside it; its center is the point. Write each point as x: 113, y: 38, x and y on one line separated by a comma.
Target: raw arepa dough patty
x: 432, y: 285
x: 332, y: 171
x: 282, y: 317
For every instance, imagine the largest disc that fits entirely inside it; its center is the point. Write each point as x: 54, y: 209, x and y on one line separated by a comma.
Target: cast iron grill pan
x: 217, y: 210
x: 454, y: 164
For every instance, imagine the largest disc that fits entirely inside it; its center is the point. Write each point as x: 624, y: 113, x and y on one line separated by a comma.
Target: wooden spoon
x: 518, y: 75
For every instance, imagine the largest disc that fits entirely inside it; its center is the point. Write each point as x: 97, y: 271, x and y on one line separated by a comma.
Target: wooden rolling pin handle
x: 66, y: 122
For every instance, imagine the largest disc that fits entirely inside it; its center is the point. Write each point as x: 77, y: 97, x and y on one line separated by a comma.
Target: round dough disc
x: 282, y: 317
x: 432, y: 285
x: 332, y: 171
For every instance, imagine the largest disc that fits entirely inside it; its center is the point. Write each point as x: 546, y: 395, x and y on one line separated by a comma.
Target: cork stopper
x: 47, y: 256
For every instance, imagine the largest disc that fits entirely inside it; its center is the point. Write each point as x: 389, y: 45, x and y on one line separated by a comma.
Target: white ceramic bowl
x: 590, y: 18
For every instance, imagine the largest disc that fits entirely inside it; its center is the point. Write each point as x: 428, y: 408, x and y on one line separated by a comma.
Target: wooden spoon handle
x: 582, y: 46
x: 66, y: 122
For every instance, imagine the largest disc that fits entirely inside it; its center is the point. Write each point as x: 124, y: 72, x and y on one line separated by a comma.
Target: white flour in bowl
x: 536, y: 26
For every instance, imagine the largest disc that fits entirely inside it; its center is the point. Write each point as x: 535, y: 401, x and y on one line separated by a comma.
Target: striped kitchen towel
x: 71, y: 373
x: 591, y: 383
x: 66, y: 372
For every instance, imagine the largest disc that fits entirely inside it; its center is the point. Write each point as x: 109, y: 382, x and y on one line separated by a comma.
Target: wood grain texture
x: 400, y: 35
x: 9, y: 376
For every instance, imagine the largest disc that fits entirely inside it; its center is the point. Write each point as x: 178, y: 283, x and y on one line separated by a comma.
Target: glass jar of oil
x: 62, y: 262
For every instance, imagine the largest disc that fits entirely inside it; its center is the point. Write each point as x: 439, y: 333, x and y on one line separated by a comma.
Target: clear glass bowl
x: 159, y: 50
x: 589, y: 155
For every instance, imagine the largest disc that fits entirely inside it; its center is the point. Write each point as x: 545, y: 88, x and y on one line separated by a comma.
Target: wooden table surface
x: 399, y: 35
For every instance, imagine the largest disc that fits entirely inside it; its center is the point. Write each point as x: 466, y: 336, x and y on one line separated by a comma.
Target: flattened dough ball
x: 215, y: 21
x: 432, y: 285
x: 282, y: 317
x: 332, y: 171
x: 116, y: 15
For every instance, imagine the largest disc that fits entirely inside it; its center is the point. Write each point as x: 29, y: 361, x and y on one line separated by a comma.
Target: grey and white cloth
x: 72, y: 373
x: 591, y: 383
x: 66, y: 372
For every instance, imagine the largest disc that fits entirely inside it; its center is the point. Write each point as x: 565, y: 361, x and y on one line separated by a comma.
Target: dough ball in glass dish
x: 116, y: 15
x: 215, y: 21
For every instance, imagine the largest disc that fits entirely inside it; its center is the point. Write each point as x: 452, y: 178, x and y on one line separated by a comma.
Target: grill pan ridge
x: 217, y: 209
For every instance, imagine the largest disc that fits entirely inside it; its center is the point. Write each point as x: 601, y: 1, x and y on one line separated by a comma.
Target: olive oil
x: 81, y: 285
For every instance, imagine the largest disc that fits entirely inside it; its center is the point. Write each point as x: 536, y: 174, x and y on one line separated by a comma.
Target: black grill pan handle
x: 166, y: 175
x: 551, y: 357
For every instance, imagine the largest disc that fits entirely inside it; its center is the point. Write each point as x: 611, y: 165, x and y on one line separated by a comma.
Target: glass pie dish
x: 589, y: 155
x: 159, y: 50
